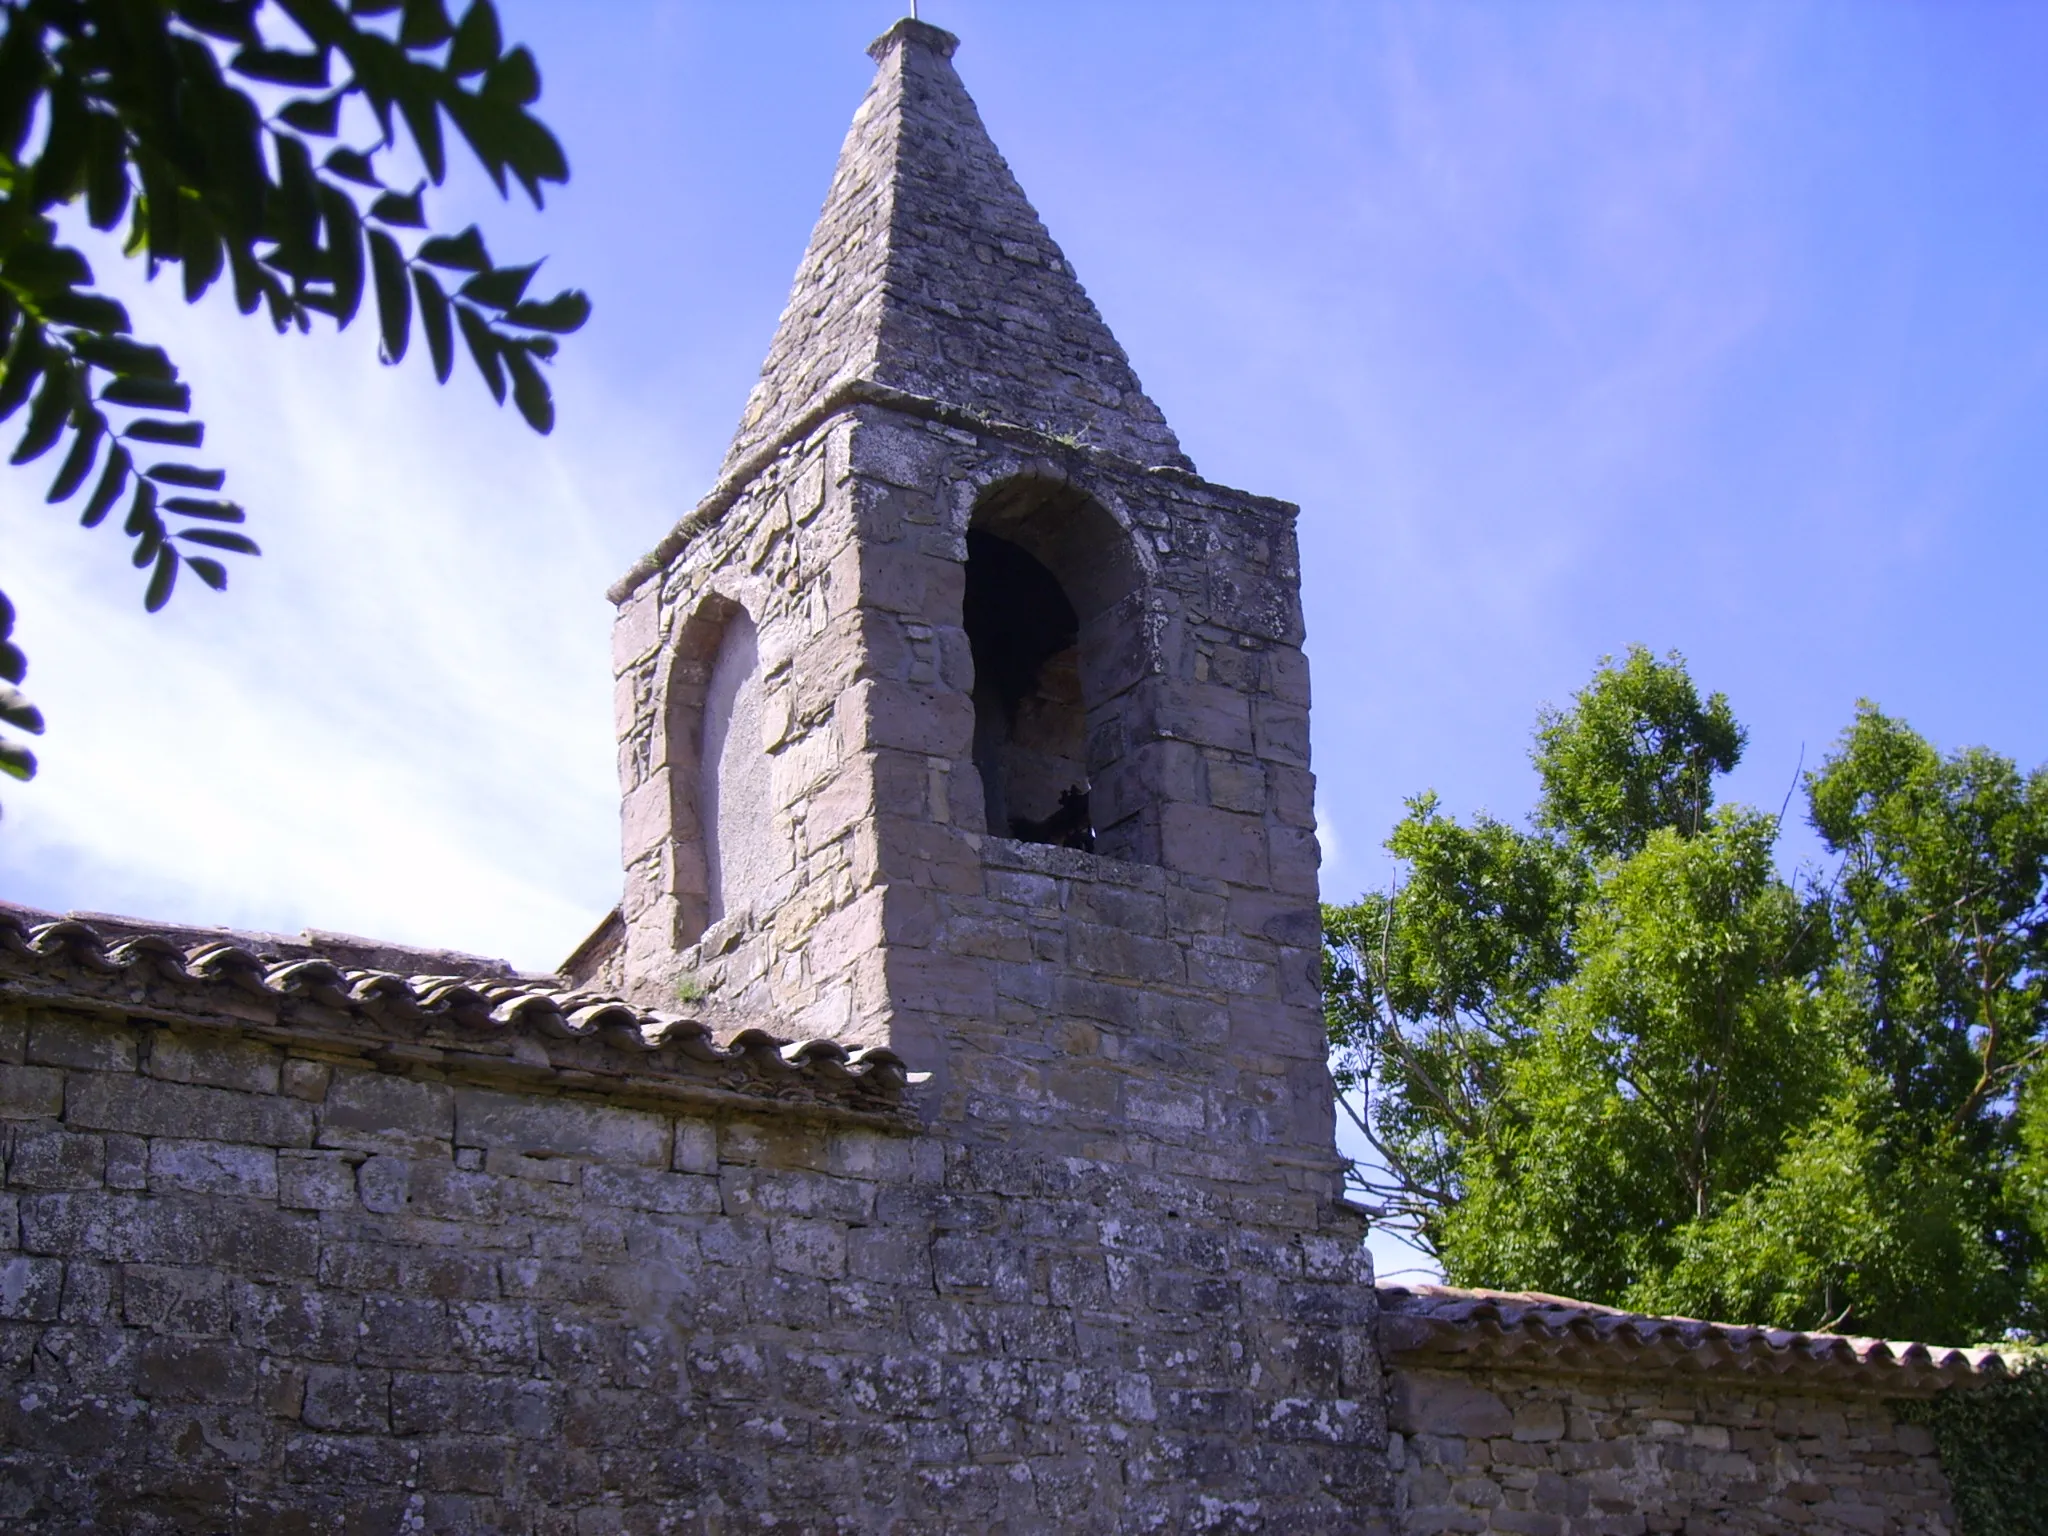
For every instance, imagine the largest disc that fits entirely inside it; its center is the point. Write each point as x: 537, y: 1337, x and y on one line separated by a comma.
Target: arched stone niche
x: 720, y: 774
x: 1054, y: 618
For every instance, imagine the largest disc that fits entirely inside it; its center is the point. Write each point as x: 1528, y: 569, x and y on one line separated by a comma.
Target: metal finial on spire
x: 913, y: 10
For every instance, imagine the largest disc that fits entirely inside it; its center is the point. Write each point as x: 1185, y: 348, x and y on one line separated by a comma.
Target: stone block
x: 1295, y: 858
x: 1914, y: 1439
x: 495, y: 1335
x: 1022, y: 888
x: 644, y: 1189
x: 148, y: 1107
x: 696, y: 1147
x: 429, y: 1189
x: 87, y: 1045
x: 1136, y: 912
x: 1162, y: 1106
x: 648, y: 815
x: 636, y: 630
x: 897, y: 455
x: 794, y: 1192
x: 870, y: 1155
x: 1237, y: 786
x: 1282, y: 731
x: 937, y: 722
x: 57, y: 1159
x: 212, y: 1168
x: 88, y: 1293
x: 300, y: 1321
x: 31, y: 1093
x: 842, y: 803
x: 941, y: 984
x: 360, y: 1466
x: 887, y: 1257
x: 1213, y: 844
x: 127, y: 1162
x: 31, y: 1289
x: 1231, y: 976
x: 195, y: 1370
x: 844, y: 936
x: 214, y: 1061
x: 244, y: 1236
x: 805, y: 1247
x: 315, y: 1181
x: 1206, y: 716
x: 348, y: 1401
x: 384, y: 1112
x: 1113, y: 953
x: 1433, y: 1403
x: 175, y: 1299
x: 561, y: 1128
x: 405, y: 1331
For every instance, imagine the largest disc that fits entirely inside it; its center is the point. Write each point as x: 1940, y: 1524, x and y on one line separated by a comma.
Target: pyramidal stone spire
x: 930, y: 273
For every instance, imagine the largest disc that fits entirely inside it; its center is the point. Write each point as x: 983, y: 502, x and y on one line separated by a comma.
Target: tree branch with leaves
x: 245, y: 139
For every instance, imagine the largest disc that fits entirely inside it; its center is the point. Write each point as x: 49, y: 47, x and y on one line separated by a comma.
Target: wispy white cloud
x: 396, y: 721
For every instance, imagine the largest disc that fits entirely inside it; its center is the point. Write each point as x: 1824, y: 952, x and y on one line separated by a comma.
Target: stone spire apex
x: 929, y: 272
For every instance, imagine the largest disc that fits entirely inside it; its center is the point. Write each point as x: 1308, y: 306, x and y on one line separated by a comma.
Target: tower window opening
x: 724, y: 851
x: 1030, y: 722
x: 734, y: 776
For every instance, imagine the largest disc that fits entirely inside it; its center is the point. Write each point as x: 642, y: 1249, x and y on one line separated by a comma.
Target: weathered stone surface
x: 1619, y: 1451
x: 380, y: 1111
x: 144, y: 1107
x: 561, y: 1128
x: 31, y: 1093
x: 561, y: 1278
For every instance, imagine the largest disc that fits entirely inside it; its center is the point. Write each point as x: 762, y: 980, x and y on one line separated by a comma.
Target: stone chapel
x: 939, y: 1135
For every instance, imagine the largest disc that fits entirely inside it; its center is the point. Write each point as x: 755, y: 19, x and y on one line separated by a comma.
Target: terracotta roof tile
x: 1526, y: 1330
x: 507, y: 1023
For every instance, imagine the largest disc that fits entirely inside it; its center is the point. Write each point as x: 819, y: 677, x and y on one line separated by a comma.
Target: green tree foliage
x: 1619, y: 1056
x: 242, y: 139
x: 1636, y: 753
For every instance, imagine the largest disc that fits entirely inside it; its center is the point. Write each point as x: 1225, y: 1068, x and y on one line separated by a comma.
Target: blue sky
x: 1719, y: 327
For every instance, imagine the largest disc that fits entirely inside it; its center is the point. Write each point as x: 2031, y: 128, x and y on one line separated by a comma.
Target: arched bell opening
x: 1051, y: 617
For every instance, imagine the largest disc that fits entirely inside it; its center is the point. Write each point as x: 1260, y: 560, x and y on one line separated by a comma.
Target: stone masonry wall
x: 848, y: 551
x: 784, y: 551
x: 259, y: 1286
x: 1550, y: 1455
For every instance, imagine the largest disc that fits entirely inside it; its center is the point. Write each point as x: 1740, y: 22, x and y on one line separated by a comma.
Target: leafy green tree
x: 1943, y: 918
x: 1863, y: 1225
x: 1637, y: 751
x: 2030, y: 1187
x: 1431, y: 992
x: 1662, y: 1076
x: 243, y: 139
x: 1436, y: 987
x: 1618, y: 1056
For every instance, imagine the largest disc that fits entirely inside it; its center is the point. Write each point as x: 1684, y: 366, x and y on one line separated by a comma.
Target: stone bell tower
x: 963, y: 716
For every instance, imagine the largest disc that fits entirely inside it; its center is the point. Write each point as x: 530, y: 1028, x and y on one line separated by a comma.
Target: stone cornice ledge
x: 1451, y: 1328
x: 852, y: 392
x: 515, y: 1031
